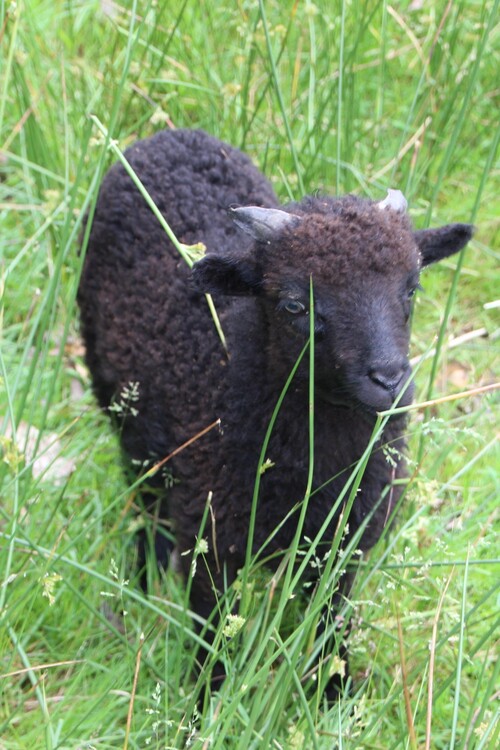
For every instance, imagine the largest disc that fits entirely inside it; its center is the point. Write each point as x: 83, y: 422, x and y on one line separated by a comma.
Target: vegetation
x: 335, y: 96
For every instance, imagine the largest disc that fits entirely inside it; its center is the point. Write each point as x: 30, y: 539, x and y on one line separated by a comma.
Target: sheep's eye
x: 412, y: 290
x: 293, y: 306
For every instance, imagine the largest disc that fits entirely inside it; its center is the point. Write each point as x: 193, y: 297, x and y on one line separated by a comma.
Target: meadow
x: 335, y: 96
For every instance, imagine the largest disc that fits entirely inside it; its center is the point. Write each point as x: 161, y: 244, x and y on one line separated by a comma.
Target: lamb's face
x: 364, y: 270
x: 364, y: 262
x: 361, y: 336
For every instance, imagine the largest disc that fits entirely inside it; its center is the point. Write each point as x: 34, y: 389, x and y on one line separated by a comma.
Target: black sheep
x: 145, y: 321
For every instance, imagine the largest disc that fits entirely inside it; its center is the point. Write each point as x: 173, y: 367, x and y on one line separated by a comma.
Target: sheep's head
x: 364, y: 260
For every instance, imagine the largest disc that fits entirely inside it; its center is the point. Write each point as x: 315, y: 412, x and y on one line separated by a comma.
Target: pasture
x: 334, y: 97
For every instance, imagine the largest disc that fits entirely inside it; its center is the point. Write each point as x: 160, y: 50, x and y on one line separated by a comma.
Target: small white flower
x: 233, y: 625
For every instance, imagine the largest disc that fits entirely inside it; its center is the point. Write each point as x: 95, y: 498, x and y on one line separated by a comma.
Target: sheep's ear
x: 263, y: 224
x: 215, y: 275
x: 436, y: 244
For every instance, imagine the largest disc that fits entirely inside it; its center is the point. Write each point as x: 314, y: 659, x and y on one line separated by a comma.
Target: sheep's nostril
x: 388, y: 377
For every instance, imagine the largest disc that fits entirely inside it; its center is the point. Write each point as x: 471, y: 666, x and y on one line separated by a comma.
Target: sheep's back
x: 142, y: 321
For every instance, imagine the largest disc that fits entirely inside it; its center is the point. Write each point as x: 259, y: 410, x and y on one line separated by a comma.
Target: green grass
x: 333, y: 96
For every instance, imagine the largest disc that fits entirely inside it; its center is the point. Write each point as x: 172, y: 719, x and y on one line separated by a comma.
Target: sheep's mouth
x: 336, y: 400
x: 367, y: 398
x: 354, y: 404
x: 376, y: 398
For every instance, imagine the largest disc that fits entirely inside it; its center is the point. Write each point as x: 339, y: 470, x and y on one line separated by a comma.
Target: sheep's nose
x: 389, y: 375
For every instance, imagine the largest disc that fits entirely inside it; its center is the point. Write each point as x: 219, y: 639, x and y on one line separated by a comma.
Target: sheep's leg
x: 208, y: 602
x: 335, y: 645
x: 206, y: 609
x: 151, y: 499
x: 155, y: 542
x: 336, y: 686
